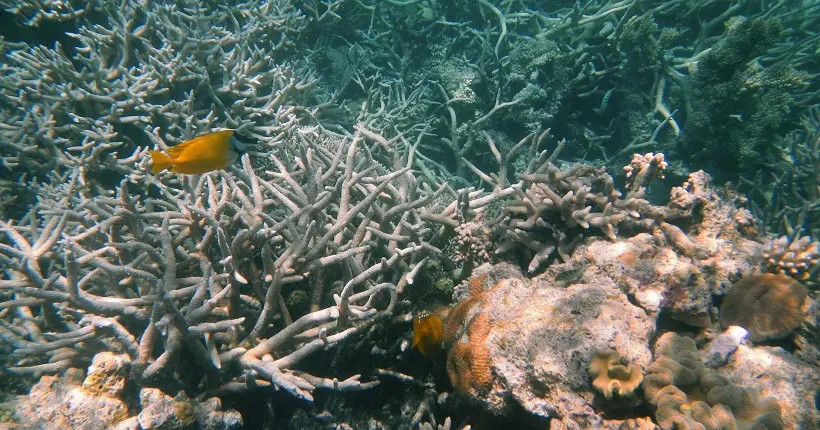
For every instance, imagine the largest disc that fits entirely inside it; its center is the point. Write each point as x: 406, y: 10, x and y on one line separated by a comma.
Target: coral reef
x: 405, y: 151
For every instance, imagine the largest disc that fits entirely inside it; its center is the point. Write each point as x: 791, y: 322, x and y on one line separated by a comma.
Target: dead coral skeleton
x: 202, y: 267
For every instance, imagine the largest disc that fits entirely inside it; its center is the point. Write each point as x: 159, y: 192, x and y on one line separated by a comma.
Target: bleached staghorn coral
x: 138, y: 71
x: 202, y: 265
x: 39, y: 11
x: 547, y: 202
x: 788, y: 200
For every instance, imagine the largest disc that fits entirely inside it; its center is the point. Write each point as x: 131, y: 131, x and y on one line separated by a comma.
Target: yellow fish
x: 203, y: 154
x: 427, y: 331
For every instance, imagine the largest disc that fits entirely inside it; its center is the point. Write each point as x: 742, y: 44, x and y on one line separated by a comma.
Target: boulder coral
x: 517, y: 344
x: 769, y: 306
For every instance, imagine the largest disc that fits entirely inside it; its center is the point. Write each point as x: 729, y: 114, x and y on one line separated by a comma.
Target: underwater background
x: 424, y: 214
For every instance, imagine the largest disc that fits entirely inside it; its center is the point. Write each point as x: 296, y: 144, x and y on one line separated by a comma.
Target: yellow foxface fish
x: 427, y: 331
x: 203, y: 154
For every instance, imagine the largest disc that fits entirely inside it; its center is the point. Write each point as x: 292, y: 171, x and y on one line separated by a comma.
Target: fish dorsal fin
x: 220, y: 135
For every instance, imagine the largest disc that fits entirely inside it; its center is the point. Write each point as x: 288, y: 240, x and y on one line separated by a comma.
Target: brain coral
x: 768, y: 306
x: 687, y: 395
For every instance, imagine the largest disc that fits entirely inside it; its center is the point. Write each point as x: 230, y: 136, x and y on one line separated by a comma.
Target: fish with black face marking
x: 212, y: 151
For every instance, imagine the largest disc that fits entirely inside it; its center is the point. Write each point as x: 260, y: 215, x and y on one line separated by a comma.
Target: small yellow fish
x: 427, y: 331
x: 203, y: 154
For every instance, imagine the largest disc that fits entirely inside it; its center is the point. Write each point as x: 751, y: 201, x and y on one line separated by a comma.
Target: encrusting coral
x: 768, y: 306
x: 610, y: 375
x: 468, y: 360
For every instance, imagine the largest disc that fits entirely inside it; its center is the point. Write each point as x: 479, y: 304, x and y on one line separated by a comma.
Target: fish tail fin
x: 161, y: 162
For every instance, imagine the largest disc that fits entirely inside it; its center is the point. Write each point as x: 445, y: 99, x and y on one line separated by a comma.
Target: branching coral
x: 642, y: 169
x: 203, y: 265
x: 139, y: 73
x: 787, y: 198
x: 798, y: 258
x: 549, y: 202
x: 740, y: 111
x: 39, y: 12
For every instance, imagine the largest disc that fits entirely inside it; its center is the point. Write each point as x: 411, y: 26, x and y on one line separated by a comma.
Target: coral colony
x: 409, y: 214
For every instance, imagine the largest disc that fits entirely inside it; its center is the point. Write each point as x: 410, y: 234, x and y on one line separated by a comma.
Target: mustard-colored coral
x: 107, y: 374
x: 769, y: 306
x: 611, y: 374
